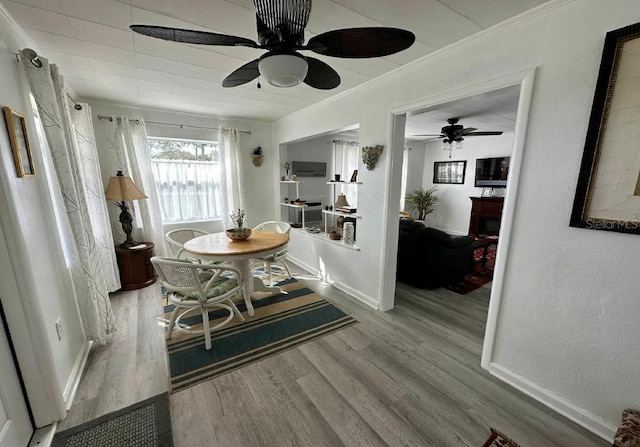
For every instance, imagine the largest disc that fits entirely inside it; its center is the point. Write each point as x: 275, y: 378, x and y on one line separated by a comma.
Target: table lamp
x: 120, y: 189
x: 341, y: 201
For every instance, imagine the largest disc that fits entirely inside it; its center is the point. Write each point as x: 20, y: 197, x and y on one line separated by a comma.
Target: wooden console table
x: 136, y: 270
x: 484, y: 208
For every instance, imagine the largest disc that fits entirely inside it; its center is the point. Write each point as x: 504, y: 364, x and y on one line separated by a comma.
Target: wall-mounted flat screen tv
x: 492, y: 172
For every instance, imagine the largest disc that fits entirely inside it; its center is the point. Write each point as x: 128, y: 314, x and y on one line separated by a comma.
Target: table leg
x: 244, y: 266
x: 484, y: 255
x: 260, y: 286
x: 252, y: 284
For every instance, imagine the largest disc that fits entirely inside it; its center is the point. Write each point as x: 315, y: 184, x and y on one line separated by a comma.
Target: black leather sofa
x: 430, y: 258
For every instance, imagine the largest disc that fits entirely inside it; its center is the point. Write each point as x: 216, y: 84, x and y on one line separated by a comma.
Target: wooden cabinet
x: 136, y: 270
x: 486, y: 213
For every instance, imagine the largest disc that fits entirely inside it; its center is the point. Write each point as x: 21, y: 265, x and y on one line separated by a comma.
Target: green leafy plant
x: 423, y: 201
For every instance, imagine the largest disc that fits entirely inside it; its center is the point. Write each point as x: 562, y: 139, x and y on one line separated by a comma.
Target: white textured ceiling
x: 103, y: 60
x: 491, y: 111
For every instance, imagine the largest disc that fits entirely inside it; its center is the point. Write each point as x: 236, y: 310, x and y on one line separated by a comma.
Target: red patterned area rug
x: 497, y: 439
x: 479, y: 275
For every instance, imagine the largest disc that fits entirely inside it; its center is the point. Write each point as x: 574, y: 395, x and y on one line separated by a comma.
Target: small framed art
x: 17, y: 128
x: 449, y: 172
x: 487, y: 192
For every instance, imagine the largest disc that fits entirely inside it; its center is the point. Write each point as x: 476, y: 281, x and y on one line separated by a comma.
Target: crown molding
x: 14, y: 35
x: 462, y: 43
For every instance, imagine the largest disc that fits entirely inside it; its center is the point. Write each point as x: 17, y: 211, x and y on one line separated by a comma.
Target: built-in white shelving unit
x: 293, y: 205
x: 338, y: 213
x: 322, y: 235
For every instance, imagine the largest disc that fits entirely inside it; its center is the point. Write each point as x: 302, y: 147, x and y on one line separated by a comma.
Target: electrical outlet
x: 59, y: 328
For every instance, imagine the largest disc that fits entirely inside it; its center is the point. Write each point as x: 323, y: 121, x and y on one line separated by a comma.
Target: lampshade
x: 341, y: 201
x: 283, y: 70
x: 122, y: 188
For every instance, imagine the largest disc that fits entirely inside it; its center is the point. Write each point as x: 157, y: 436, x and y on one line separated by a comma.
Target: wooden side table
x: 136, y: 270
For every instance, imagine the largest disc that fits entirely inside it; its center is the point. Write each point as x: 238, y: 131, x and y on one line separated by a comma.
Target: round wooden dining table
x: 218, y: 247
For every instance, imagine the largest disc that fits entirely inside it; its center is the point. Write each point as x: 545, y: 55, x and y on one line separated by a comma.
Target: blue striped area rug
x: 281, y: 322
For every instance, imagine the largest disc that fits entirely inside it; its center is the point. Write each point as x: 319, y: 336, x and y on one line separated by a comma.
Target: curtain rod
x: 108, y: 118
x: 76, y: 105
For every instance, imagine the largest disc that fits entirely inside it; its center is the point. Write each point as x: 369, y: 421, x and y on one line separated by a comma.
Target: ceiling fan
x: 280, y: 26
x: 454, y: 132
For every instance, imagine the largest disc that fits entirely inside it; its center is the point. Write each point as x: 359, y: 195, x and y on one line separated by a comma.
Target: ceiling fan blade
x: 361, y: 42
x: 286, y: 19
x: 321, y: 75
x: 429, y: 135
x: 192, y: 36
x: 248, y: 72
x: 479, y: 134
x: 466, y: 130
x: 428, y: 138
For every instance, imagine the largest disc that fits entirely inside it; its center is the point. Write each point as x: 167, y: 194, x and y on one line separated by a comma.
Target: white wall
x: 567, y: 326
x: 258, y: 180
x: 36, y: 289
x: 454, y: 206
x: 318, y: 149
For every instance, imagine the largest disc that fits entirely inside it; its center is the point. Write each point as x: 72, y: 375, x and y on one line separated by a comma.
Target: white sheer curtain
x: 346, y: 155
x: 129, y: 152
x: 89, y: 247
x: 188, y: 190
x: 232, y: 182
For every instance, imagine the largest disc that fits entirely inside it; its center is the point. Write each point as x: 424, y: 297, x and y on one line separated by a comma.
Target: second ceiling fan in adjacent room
x: 453, y: 134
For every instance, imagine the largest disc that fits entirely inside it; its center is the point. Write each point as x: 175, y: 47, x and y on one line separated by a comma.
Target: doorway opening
x: 503, y: 102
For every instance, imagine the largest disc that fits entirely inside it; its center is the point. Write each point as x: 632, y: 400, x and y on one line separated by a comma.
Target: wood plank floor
x: 408, y: 377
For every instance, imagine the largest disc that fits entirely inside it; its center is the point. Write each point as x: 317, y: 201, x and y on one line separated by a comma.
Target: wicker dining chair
x: 192, y: 286
x: 176, y: 239
x: 277, y: 259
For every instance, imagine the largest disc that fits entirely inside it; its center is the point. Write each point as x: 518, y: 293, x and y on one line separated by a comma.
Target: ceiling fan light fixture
x: 451, y: 143
x: 283, y: 70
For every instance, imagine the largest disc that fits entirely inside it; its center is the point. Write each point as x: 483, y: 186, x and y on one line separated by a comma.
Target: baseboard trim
x: 43, y: 437
x: 562, y: 406
x: 346, y: 289
x: 76, y: 373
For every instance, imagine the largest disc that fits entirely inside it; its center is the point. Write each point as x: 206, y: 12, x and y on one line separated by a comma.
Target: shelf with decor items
x: 325, y: 237
x: 291, y: 204
x: 338, y: 213
x: 342, y: 216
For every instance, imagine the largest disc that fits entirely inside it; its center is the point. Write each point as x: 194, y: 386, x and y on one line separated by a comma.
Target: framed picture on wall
x: 17, y: 128
x: 449, y: 172
x: 608, y: 191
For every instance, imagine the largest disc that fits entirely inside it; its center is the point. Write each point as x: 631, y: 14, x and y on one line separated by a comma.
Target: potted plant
x: 257, y: 156
x: 239, y: 232
x: 423, y: 201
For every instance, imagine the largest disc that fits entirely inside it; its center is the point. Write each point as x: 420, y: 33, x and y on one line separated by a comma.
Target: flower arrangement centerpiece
x: 239, y: 232
x: 286, y: 165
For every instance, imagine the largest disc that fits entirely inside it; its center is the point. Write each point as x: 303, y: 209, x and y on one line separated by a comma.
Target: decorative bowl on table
x: 238, y: 234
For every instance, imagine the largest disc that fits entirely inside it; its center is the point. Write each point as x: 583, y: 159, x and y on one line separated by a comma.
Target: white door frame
x: 525, y: 79
x: 22, y: 310
x: 16, y: 425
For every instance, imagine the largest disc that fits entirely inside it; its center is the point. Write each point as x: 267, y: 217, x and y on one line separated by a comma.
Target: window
x: 187, y: 175
x: 405, y: 173
x: 345, y: 161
